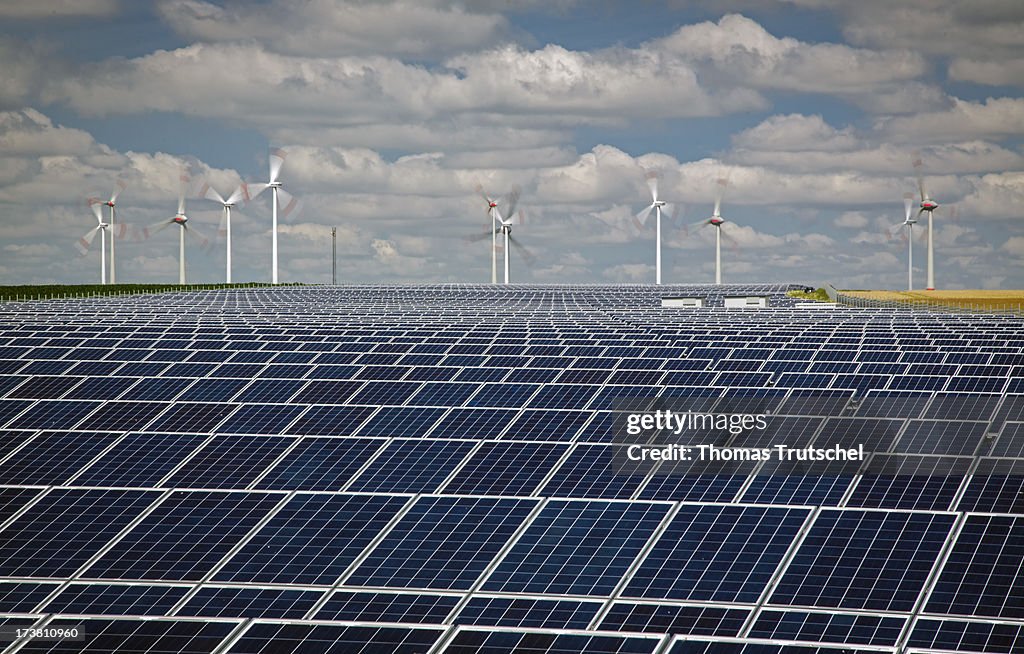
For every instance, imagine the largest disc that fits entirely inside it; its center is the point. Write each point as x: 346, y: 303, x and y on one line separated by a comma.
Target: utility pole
x: 334, y: 255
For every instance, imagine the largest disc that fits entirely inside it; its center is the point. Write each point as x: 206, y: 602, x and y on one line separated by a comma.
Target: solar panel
x: 116, y: 599
x: 221, y: 602
x: 184, y: 536
x: 873, y: 560
x: 442, y: 543
x: 411, y: 466
x: 321, y: 464
x: 311, y: 540
x: 717, y: 553
x: 262, y: 637
x: 576, y: 548
x: 387, y: 607
x: 229, y: 462
x: 674, y: 619
x: 983, y: 574
x: 505, y: 469
x: 135, y: 637
x: 139, y: 460
x: 828, y: 627
x: 65, y: 528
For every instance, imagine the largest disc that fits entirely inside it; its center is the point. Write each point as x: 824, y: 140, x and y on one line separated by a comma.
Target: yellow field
x: 969, y: 298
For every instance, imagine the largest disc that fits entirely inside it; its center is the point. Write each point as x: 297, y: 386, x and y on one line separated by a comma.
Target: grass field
x: 8, y: 293
x: 984, y: 300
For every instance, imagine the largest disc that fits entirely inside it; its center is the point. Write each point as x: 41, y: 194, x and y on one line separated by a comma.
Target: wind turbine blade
x: 85, y: 242
x: 209, y: 193
x: 237, y: 195
x: 196, y: 235
x: 652, y: 183
x: 183, y: 180
x: 721, y: 184
x: 251, y: 191
x: 641, y: 218
x: 523, y: 251
x: 288, y: 203
x: 908, y: 203
x: 222, y: 228
x: 96, y: 205
x: 121, y: 185
x: 120, y: 230
x: 694, y: 226
x: 918, y: 165
x: 510, y: 202
x: 277, y: 156
x: 518, y: 219
x: 155, y: 228
x: 480, y: 190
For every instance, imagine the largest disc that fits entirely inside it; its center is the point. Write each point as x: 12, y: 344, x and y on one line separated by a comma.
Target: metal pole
x: 657, y: 247
x: 334, y: 255
x: 113, y: 237
x: 273, y: 240
x: 227, y: 237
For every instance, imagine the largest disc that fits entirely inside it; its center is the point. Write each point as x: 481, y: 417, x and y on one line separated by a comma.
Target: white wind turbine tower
x: 210, y: 193
x: 927, y: 205
x: 279, y: 196
x: 101, y: 227
x: 641, y: 218
x: 181, y: 220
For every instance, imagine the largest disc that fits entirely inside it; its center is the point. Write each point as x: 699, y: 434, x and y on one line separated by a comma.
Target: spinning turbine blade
x: 237, y: 195
x: 121, y: 185
x: 652, y: 184
x: 722, y: 182
x: 908, y: 203
x: 85, y: 242
x: 918, y: 164
x: 523, y: 251
x: 96, y: 205
x: 288, y: 203
x: 208, y: 192
x: 640, y: 219
x: 277, y: 156
x: 251, y: 191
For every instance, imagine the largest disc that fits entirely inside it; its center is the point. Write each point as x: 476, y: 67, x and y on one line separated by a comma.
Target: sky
x: 391, y: 112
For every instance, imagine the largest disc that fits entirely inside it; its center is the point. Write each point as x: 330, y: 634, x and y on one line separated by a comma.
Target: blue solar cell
x: 387, y: 607
x: 577, y: 548
x: 503, y: 395
x: 717, y: 553
x: 967, y: 636
x: 135, y: 637
x: 311, y: 540
x: 184, y: 537
x: 474, y: 423
x: 193, y: 417
x: 874, y: 560
x: 444, y: 394
x: 53, y: 457
x: 442, y: 543
x: 261, y: 419
x: 65, y: 528
x: 411, y: 466
x: 41, y: 387
x: 320, y: 464
x: 385, y: 392
x: 140, y: 460
x: 23, y: 597
x: 330, y: 420
x: 123, y: 416
x: 229, y: 462
x: 661, y: 618
x: 269, y: 390
x: 528, y: 613
x: 218, y: 602
x: 156, y: 389
x: 505, y: 469
x: 409, y: 422
x: 548, y: 425
x: 829, y: 627
x: 498, y: 642
x: 99, y: 388
x: 983, y: 574
x: 212, y: 390
x: 116, y: 599
x: 593, y: 471
x: 47, y: 414
x: 261, y: 638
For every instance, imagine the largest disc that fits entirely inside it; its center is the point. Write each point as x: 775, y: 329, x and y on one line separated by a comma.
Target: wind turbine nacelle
x: 658, y: 203
x: 181, y: 220
x: 929, y: 205
x: 275, y: 184
x: 109, y: 203
x: 716, y: 220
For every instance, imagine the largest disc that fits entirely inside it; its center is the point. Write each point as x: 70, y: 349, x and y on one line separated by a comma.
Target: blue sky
x: 391, y: 111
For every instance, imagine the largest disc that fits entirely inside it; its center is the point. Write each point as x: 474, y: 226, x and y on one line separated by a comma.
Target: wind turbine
x: 506, y: 231
x: 496, y: 225
x: 85, y: 242
x: 717, y: 221
x: 279, y: 196
x: 181, y: 220
x: 927, y: 205
x: 909, y: 220
x: 209, y: 193
x: 641, y: 220
x: 113, y: 226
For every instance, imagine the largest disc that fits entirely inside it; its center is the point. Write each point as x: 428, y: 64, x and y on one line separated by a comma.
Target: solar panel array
x: 432, y: 469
